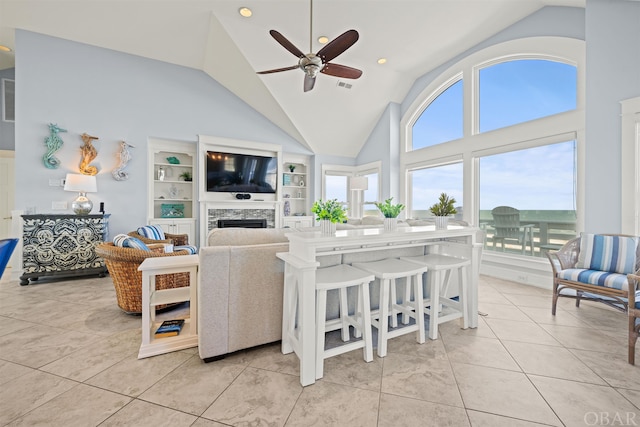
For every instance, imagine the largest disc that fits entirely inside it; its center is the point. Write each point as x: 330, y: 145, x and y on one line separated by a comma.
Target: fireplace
x: 245, y: 223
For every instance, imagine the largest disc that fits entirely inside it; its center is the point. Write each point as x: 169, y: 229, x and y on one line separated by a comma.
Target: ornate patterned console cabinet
x: 62, y: 245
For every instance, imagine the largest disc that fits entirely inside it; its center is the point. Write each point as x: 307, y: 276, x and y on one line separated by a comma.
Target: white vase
x: 442, y: 222
x: 327, y: 227
x: 390, y: 224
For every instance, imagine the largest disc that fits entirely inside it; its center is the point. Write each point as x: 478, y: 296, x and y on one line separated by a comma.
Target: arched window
x: 517, y: 91
x: 441, y: 121
x: 502, y: 128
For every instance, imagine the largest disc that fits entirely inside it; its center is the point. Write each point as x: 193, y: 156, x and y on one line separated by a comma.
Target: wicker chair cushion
x: 154, y: 232
x: 614, y: 254
x: 125, y: 241
x: 596, y: 277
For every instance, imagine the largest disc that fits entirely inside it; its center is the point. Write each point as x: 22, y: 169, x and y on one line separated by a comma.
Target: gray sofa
x: 241, y: 286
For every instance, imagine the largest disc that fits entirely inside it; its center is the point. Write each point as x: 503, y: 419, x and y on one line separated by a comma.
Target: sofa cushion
x: 247, y: 236
x: 596, y: 277
x: 614, y: 254
x: 189, y: 248
x: 371, y: 220
x: 154, y: 232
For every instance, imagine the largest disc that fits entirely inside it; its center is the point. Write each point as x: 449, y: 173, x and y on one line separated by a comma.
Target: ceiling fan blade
x: 309, y: 82
x: 338, y: 45
x: 286, y: 43
x: 277, y: 70
x: 343, y: 71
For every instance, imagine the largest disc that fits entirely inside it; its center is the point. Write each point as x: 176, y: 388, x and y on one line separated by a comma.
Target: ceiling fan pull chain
x: 311, y: 28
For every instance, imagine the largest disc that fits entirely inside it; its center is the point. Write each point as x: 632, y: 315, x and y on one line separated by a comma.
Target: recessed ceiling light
x: 323, y: 39
x: 4, y: 48
x: 245, y: 11
x: 382, y: 61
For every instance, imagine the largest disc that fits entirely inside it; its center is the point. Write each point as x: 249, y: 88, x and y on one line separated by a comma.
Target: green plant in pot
x: 442, y: 209
x: 186, y: 175
x: 329, y: 213
x: 388, y: 209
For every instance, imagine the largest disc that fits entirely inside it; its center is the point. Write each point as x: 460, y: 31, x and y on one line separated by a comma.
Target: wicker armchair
x: 123, y: 264
x: 175, y: 239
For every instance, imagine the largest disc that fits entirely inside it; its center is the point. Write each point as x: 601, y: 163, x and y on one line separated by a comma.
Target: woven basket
x: 123, y: 264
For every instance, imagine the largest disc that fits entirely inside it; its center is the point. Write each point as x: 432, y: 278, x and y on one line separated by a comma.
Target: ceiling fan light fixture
x: 4, y: 48
x: 245, y: 11
x: 323, y: 39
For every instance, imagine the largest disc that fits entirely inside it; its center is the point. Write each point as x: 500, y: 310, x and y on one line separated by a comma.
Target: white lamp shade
x: 359, y: 183
x: 80, y: 183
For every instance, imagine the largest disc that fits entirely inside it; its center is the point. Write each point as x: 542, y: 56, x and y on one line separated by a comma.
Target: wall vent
x: 344, y: 85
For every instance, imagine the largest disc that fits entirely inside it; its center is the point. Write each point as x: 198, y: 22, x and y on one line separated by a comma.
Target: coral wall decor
x: 88, y: 154
x: 124, y: 156
x: 53, y: 143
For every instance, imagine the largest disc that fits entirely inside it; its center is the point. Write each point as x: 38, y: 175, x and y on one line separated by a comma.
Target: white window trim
x: 630, y: 166
x: 355, y: 206
x: 540, y: 131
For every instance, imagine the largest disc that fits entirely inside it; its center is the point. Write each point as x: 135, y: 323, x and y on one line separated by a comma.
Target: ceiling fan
x: 311, y: 63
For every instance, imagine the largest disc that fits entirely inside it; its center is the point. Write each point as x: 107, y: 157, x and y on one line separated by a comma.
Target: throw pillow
x: 154, y: 232
x: 124, y: 241
x: 615, y: 254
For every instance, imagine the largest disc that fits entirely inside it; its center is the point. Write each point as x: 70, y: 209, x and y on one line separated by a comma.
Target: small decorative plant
x: 292, y: 168
x: 388, y: 209
x: 186, y: 175
x: 330, y: 209
x: 444, y: 207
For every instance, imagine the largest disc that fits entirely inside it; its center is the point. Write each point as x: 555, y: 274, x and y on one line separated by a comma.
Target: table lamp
x: 81, y: 184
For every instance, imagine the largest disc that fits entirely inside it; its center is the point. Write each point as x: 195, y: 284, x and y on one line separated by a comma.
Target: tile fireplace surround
x: 213, y: 215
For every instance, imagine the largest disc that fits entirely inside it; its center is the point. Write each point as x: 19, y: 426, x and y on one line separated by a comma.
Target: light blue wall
x: 613, y: 74
x: 7, y: 129
x: 114, y: 96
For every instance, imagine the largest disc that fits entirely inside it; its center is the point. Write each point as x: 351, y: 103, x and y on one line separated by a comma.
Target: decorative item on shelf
x: 186, y: 175
x: 286, y: 179
x: 390, y: 212
x: 292, y: 168
x: 161, y: 174
x: 174, y: 192
x: 173, y: 210
x: 123, y: 158
x: 88, y: 154
x: 81, y: 184
x: 173, y: 160
x: 54, y: 143
x: 442, y: 209
x: 328, y: 213
x: 301, y: 183
x: 287, y: 208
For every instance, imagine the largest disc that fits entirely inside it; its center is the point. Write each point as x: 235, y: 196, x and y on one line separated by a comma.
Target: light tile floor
x: 68, y: 357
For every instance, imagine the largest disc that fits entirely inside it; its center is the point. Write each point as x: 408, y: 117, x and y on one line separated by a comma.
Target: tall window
x: 371, y: 195
x: 442, y: 120
x: 540, y: 183
x: 428, y: 183
x: 336, y: 188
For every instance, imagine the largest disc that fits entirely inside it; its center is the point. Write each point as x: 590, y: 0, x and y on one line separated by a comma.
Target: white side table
x: 151, y: 298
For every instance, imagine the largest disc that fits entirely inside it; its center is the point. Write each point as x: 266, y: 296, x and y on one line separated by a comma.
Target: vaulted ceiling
x: 413, y: 35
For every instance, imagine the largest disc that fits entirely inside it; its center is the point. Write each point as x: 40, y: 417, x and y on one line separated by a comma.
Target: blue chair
x: 6, y: 249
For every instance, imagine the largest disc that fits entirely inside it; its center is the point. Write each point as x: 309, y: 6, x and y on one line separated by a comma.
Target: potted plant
x: 329, y: 213
x: 390, y: 212
x: 292, y: 168
x: 186, y: 175
x: 442, y: 209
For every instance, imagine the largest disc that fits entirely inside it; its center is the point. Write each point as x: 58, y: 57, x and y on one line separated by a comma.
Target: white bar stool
x: 436, y: 264
x: 342, y: 277
x: 388, y: 270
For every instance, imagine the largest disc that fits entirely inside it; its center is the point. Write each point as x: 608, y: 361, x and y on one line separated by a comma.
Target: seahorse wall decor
x: 53, y: 143
x: 88, y: 154
x: 118, y: 173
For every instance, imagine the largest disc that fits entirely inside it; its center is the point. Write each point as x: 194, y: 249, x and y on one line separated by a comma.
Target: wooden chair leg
x: 554, y: 301
x: 578, y: 296
x: 633, y: 338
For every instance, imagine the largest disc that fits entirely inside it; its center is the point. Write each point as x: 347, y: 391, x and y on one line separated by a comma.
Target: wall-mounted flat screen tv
x: 241, y: 173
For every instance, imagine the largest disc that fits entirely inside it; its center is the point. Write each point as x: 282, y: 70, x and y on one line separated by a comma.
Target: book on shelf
x: 169, y: 328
